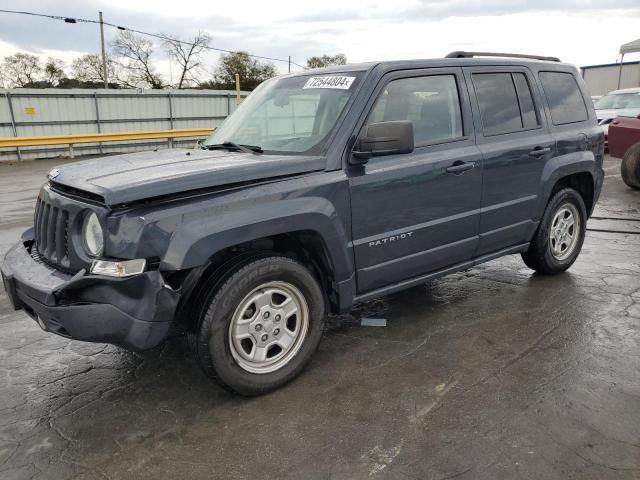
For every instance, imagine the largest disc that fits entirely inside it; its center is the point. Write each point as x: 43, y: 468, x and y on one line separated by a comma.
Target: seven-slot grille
x: 51, y: 233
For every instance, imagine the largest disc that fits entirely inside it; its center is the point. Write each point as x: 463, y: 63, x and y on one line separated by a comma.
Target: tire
x: 546, y: 254
x: 256, y: 301
x: 630, y: 167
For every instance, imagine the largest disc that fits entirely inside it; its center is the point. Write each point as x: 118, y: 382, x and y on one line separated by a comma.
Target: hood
x: 138, y: 176
x: 611, y: 113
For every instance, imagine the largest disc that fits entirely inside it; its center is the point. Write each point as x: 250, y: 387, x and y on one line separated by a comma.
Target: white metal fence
x: 602, y: 79
x: 40, y: 112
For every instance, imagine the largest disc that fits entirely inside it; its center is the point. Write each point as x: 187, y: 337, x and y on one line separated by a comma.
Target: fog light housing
x: 119, y: 269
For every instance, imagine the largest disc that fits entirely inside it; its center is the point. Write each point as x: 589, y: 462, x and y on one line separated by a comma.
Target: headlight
x: 93, y: 235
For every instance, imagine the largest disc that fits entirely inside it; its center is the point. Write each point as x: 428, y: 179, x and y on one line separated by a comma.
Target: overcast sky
x: 578, y: 31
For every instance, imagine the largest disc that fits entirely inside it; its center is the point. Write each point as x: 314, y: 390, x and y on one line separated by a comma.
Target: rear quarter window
x: 564, y: 98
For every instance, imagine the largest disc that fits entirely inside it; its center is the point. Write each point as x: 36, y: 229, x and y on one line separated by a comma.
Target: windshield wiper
x: 234, y: 146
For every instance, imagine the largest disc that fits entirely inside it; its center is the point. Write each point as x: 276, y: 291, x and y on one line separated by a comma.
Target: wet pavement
x: 493, y: 373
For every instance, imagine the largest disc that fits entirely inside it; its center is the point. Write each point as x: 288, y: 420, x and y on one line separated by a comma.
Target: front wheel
x: 560, y: 235
x: 261, y: 327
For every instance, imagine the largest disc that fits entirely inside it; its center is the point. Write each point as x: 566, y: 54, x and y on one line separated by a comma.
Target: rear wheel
x: 630, y: 167
x: 261, y: 327
x: 560, y: 235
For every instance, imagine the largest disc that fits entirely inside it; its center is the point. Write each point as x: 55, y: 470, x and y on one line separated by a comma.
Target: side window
x: 432, y: 103
x: 564, y: 98
x: 505, y: 101
x: 527, y: 107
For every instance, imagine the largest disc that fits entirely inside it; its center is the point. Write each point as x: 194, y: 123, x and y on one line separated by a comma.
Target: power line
x: 140, y: 32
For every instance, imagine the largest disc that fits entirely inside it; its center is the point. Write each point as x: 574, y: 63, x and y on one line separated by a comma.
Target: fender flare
x: 196, y: 241
x: 563, y: 166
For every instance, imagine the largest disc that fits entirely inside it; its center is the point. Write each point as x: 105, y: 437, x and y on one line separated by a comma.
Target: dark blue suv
x: 325, y: 188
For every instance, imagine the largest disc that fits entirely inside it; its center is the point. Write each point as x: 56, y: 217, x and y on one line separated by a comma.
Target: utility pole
x: 620, y: 70
x: 104, y: 55
x: 237, y: 89
x: 289, y: 63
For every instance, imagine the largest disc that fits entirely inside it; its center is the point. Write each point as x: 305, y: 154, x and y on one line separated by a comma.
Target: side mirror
x: 384, y: 138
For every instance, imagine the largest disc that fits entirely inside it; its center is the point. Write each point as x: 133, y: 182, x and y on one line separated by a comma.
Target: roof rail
x: 461, y: 54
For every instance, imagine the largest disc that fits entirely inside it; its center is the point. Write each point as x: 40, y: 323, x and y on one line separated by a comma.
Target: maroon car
x: 624, y: 143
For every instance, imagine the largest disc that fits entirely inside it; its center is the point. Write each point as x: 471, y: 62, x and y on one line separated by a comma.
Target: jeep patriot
x: 325, y: 188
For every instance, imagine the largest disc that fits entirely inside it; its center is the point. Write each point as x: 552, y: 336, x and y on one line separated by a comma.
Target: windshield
x: 618, y: 101
x: 289, y: 114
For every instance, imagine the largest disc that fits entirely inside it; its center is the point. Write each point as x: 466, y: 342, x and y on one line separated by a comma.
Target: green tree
x: 252, y: 72
x: 53, y: 71
x: 326, y: 60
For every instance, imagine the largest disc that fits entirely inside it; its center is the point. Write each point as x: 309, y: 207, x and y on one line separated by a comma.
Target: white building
x: 602, y: 79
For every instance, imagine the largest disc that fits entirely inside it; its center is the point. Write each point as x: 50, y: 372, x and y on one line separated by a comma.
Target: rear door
x: 416, y: 213
x: 572, y: 123
x: 516, y: 144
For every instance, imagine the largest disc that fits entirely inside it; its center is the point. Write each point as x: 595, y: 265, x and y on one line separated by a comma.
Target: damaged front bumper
x: 134, y: 312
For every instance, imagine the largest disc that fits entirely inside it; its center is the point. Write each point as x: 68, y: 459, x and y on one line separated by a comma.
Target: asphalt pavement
x: 493, y: 373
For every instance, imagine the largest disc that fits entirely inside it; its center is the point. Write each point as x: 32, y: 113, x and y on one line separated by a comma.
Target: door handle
x: 459, y: 167
x: 539, y: 151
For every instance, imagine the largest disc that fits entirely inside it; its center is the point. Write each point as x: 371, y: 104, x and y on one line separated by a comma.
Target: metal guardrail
x: 27, y: 112
x: 17, y: 142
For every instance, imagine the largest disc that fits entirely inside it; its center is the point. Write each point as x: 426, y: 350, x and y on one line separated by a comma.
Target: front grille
x: 52, y: 233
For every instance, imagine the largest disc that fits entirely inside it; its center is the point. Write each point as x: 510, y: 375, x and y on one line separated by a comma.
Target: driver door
x: 417, y: 213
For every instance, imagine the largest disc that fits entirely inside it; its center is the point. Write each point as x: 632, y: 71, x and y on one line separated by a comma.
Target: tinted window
x: 564, y: 98
x: 498, y: 103
x: 527, y: 107
x: 432, y: 103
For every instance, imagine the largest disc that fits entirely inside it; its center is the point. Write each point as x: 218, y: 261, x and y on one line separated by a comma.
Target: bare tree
x: 187, y: 54
x: 53, y: 71
x: 88, y: 69
x: 21, y: 69
x: 134, y: 52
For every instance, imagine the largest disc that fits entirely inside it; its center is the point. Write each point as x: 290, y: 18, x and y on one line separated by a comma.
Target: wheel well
x: 581, y: 182
x: 305, y: 246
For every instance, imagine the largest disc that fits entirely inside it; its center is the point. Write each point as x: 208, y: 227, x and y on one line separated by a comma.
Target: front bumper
x: 135, y: 313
